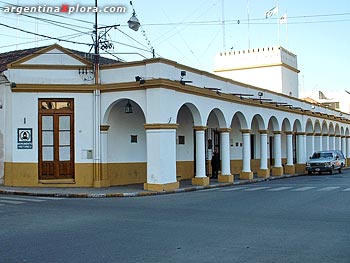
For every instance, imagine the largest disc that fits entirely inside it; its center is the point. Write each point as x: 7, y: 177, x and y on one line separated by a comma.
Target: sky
x: 193, y: 32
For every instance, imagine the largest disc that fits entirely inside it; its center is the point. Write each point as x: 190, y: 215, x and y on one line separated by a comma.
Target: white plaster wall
x: 122, y: 126
x: 236, y: 151
x: 185, y: 152
x: 109, y: 99
x: 41, y: 76
x: 25, y: 106
x: 268, y: 78
x: 290, y: 82
x: 54, y: 57
x: 255, y: 131
x: 283, y: 145
x: 83, y: 116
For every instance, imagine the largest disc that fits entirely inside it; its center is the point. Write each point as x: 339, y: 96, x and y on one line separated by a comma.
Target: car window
x: 322, y: 155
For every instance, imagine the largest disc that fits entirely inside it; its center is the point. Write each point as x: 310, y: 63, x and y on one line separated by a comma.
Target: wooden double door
x: 56, y: 139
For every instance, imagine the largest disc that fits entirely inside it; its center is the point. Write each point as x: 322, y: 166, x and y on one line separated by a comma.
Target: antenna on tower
x: 223, y: 25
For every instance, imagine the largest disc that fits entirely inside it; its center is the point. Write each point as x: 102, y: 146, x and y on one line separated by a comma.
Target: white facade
x: 274, y: 68
x: 170, y: 134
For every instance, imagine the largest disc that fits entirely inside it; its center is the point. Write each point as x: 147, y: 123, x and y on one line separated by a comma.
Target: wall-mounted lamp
x: 217, y: 90
x: 260, y: 94
x: 128, y: 107
x: 140, y: 79
x: 242, y: 95
x: 183, y: 74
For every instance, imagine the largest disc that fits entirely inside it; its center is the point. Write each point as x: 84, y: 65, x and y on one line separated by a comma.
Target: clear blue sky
x: 191, y: 32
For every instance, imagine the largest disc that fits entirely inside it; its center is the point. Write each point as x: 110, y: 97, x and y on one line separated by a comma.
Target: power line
x: 45, y: 36
x: 219, y: 22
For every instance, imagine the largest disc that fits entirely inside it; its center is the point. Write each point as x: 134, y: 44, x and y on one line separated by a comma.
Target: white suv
x: 326, y: 161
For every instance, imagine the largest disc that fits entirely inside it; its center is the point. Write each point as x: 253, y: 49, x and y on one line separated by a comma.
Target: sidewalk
x: 124, y: 191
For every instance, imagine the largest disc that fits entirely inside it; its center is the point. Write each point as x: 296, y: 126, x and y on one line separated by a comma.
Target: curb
x: 144, y: 194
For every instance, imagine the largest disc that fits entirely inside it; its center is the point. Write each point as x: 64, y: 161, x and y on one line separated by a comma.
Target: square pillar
x: 161, y: 157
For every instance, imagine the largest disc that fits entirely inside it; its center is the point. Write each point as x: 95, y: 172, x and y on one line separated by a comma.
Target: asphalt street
x: 301, y: 219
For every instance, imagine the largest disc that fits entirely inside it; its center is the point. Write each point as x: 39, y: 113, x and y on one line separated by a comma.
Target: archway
x: 126, y: 143
x: 185, y: 141
x: 215, y: 121
x: 239, y: 130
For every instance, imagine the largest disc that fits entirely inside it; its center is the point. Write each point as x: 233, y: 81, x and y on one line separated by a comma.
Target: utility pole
x: 96, y: 44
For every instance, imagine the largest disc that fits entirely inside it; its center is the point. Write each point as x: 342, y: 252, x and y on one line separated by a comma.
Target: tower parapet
x: 272, y: 68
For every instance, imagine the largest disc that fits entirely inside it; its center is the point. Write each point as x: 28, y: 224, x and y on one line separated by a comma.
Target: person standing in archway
x: 215, y: 162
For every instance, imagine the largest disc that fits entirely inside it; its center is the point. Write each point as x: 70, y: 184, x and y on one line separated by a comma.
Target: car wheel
x: 340, y: 170
x: 331, y: 171
x: 309, y: 172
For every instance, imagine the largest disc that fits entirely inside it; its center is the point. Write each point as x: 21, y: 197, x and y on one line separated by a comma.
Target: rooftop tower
x: 271, y: 68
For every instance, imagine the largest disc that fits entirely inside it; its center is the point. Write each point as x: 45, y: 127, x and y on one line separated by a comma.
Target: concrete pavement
x: 123, y: 191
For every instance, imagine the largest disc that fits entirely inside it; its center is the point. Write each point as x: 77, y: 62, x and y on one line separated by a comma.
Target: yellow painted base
x: 300, y: 168
x: 102, y: 183
x: 126, y: 173
x: 277, y: 171
x: 246, y: 175
x: 289, y: 169
x: 184, y: 170
x: 161, y: 187
x: 203, y: 181
x: 264, y: 173
x: 225, y: 178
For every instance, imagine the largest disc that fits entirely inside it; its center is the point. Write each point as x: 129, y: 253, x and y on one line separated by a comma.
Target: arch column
x: 104, y: 147
x: 325, y: 142
x: 201, y: 177
x: 337, y: 145
x: 161, y: 157
x: 246, y: 173
x: 331, y: 142
x: 96, y: 152
x: 343, y: 145
x: 264, y: 171
x: 317, y: 142
x: 277, y: 169
x: 310, y: 144
x: 301, y: 154
x: 225, y: 176
x: 348, y: 150
x: 290, y: 167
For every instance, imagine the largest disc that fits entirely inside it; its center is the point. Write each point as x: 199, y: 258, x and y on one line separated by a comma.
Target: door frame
x: 56, y: 107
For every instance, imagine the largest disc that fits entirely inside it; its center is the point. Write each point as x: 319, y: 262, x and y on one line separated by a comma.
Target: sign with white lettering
x: 24, y: 138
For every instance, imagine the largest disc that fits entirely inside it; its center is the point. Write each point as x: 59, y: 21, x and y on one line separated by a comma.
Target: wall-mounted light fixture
x: 242, y: 95
x: 182, y: 75
x: 217, y: 90
x: 140, y: 79
x: 128, y: 107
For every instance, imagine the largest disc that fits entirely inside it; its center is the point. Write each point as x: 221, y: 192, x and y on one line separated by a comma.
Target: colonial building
x: 154, y: 122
